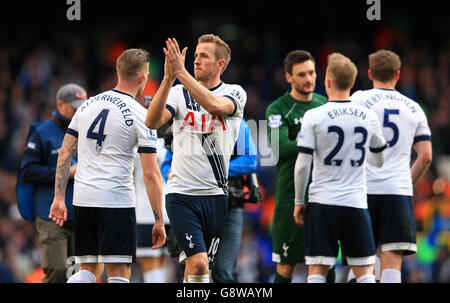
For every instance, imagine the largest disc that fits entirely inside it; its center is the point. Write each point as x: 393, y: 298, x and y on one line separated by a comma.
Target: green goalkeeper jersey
x: 286, y: 114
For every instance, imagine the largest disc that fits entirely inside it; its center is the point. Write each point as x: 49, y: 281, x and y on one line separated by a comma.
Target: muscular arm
x: 423, y: 160
x: 153, y: 183
x: 157, y: 114
x: 215, y: 105
x: 68, y: 150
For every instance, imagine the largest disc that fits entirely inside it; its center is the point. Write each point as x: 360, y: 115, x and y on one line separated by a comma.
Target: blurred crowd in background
x: 41, y: 51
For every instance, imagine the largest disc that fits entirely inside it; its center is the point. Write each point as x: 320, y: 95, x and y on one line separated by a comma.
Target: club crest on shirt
x: 237, y: 94
x: 151, y: 134
x: 298, y: 121
x: 275, y: 121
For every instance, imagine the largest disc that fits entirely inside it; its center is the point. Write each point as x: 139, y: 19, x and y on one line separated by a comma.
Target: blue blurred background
x: 40, y: 50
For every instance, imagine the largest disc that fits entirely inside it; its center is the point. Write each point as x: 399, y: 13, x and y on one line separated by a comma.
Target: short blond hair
x: 341, y: 70
x: 130, y: 63
x: 223, y: 51
x: 384, y: 65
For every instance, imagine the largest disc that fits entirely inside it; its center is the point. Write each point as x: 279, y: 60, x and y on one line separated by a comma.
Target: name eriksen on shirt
x: 347, y: 111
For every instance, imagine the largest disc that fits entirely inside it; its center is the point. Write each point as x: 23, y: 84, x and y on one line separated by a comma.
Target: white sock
x: 316, y: 279
x: 366, y: 279
x: 198, y: 278
x: 154, y: 276
x: 391, y: 276
x: 118, y: 280
x: 350, y: 275
x: 82, y: 276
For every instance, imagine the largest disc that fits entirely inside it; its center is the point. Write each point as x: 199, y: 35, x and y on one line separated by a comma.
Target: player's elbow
x: 151, y: 123
x: 426, y: 158
x: 152, y: 176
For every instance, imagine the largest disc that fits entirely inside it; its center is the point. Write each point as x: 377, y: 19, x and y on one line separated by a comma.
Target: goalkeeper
x: 285, y: 115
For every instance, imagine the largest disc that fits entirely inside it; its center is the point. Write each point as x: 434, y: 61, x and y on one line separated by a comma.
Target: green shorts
x: 288, y: 238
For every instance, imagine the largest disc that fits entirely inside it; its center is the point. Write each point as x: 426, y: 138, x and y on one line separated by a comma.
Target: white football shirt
x: 202, y: 143
x: 403, y: 124
x: 144, y: 212
x: 338, y: 134
x: 110, y: 128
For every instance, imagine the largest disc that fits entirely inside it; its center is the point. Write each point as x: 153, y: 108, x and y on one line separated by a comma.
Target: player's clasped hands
x: 175, y: 57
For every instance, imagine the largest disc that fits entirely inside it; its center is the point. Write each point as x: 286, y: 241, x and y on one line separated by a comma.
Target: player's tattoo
x: 156, y: 216
x: 68, y: 150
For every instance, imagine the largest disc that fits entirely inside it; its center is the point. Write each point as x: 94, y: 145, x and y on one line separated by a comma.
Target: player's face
x: 145, y: 74
x: 303, y: 77
x: 206, y: 66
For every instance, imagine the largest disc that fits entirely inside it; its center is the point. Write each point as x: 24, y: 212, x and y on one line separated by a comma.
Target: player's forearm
x: 68, y: 150
x: 153, y: 186
x: 203, y: 96
x: 301, y: 176
x: 419, y: 167
x: 154, y: 118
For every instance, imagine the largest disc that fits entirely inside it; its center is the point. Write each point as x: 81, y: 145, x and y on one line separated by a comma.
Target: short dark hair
x: 294, y: 57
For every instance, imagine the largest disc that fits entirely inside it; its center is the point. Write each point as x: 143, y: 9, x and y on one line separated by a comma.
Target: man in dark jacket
x: 38, y: 167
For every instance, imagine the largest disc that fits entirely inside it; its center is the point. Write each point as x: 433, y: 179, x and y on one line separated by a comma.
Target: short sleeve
x: 423, y: 131
x: 377, y: 141
x: 172, y: 100
x: 306, y: 140
x: 72, y: 129
x: 146, y: 137
x: 239, y: 97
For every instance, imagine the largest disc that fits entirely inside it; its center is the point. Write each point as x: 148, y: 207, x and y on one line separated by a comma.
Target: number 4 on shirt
x: 100, y: 137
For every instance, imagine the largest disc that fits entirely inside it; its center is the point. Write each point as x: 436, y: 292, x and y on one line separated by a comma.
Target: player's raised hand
x: 299, y: 214
x: 58, y: 211
x: 158, y: 235
x: 175, y: 58
x: 168, y: 71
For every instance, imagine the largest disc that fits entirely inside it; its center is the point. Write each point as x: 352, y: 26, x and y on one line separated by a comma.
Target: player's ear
x: 397, y: 75
x: 328, y: 82
x: 369, y: 74
x: 288, y: 77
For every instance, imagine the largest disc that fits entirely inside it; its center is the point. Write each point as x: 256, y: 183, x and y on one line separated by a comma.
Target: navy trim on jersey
x: 190, y: 102
x: 216, y: 161
x: 216, y: 87
x: 235, y: 105
x: 146, y: 150
x: 120, y: 92
x: 72, y: 132
x: 305, y: 150
x: 389, y: 89
x: 377, y: 149
x: 171, y: 110
x: 340, y: 101
x: 422, y: 138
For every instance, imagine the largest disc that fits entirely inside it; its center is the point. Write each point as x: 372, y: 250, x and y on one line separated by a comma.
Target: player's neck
x: 384, y: 85
x: 339, y: 96
x: 301, y: 97
x: 127, y: 88
x: 210, y: 83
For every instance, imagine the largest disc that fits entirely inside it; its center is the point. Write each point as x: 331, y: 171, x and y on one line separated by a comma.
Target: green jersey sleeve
x: 282, y: 147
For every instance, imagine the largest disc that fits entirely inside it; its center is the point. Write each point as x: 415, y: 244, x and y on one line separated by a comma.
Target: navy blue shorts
x: 196, y: 222
x: 105, y: 235
x: 393, y: 222
x: 327, y: 225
